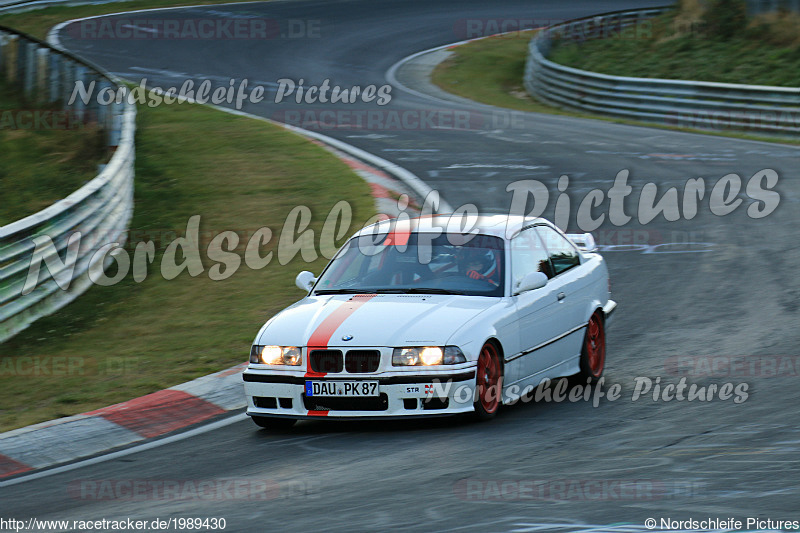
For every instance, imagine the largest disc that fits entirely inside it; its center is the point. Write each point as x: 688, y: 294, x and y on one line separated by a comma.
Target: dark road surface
x: 566, y: 466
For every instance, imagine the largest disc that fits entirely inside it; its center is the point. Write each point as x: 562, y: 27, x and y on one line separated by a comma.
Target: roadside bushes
x: 725, y: 19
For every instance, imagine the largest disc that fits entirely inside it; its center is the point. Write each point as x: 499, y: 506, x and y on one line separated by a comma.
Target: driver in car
x: 482, y: 264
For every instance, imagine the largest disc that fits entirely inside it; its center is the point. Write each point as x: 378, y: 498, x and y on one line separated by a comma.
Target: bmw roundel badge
x: 347, y: 337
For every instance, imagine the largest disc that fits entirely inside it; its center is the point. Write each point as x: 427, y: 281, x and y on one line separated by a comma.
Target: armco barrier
x: 100, y: 210
x: 766, y: 6
x: 14, y: 6
x: 694, y: 104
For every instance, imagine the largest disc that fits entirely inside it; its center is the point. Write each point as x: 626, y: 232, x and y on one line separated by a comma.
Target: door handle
x: 561, y: 296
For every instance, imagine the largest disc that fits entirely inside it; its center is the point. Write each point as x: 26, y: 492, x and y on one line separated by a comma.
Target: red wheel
x: 593, y: 355
x: 488, y: 382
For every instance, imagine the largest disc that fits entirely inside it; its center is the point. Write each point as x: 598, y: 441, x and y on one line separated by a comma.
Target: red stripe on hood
x: 322, y: 335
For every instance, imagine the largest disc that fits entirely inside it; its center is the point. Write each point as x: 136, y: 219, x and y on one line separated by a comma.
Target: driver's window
x: 528, y: 255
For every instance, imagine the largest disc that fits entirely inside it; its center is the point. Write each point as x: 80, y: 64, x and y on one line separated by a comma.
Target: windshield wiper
x: 345, y: 291
x: 427, y: 290
x: 409, y: 290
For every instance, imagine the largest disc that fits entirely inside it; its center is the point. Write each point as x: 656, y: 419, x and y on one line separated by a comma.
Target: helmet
x: 480, y: 260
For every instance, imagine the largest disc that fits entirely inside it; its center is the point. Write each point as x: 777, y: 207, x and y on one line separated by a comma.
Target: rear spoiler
x: 584, y: 241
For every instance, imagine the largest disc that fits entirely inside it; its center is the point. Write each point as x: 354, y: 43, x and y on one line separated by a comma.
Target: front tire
x: 593, y: 354
x: 271, y: 422
x: 488, y: 382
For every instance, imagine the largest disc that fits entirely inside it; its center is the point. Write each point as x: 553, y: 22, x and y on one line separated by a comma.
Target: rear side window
x: 563, y: 254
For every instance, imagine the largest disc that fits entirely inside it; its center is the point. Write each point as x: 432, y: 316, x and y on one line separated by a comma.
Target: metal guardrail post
x: 67, y: 80
x: 42, y: 69
x: 3, y: 41
x: 11, y: 50
x: 115, y: 131
x: 78, y: 106
x: 103, y: 111
x: 54, y: 85
x: 29, y: 68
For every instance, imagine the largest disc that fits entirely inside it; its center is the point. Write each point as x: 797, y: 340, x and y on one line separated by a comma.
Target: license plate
x: 357, y: 389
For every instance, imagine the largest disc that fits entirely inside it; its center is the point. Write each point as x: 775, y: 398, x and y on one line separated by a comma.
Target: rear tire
x: 593, y: 353
x: 488, y: 382
x: 271, y: 422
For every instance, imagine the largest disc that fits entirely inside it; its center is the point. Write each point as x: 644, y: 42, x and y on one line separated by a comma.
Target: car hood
x: 373, y: 320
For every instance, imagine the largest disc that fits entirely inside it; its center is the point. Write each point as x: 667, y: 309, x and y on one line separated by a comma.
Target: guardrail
x: 15, y: 6
x: 696, y: 104
x: 766, y: 6
x: 100, y: 210
x: 12, y: 4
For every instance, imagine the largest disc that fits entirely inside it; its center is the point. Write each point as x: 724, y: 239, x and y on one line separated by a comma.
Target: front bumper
x: 402, y: 394
x: 608, y: 312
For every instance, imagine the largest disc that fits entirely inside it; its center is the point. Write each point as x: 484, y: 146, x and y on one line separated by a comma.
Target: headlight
x: 427, y: 355
x: 276, y: 355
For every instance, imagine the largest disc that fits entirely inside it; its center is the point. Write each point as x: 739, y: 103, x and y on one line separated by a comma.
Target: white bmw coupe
x: 413, y: 318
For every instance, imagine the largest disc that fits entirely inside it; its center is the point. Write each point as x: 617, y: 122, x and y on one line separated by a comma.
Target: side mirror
x: 305, y: 280
x: 532, y: 281
x: 584, y: 241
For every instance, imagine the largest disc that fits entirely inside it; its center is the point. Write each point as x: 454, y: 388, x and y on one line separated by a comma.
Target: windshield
x: 449, y: 263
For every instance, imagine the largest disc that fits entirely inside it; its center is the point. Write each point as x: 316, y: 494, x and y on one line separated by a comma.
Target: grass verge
x: 45, y: 155
x: 119, y: 342
x: 491, y: 70
x: 38, y: 22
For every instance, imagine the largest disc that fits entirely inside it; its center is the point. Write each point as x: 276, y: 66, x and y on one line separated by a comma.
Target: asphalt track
x: 693, y: 459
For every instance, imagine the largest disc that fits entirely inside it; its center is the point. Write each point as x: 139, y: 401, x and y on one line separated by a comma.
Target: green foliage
x: 726, y: 19
x: 681, y: 48
x: 43, y: 156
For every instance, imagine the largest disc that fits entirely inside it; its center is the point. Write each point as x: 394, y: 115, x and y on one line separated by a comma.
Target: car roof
x: 503, y: 226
